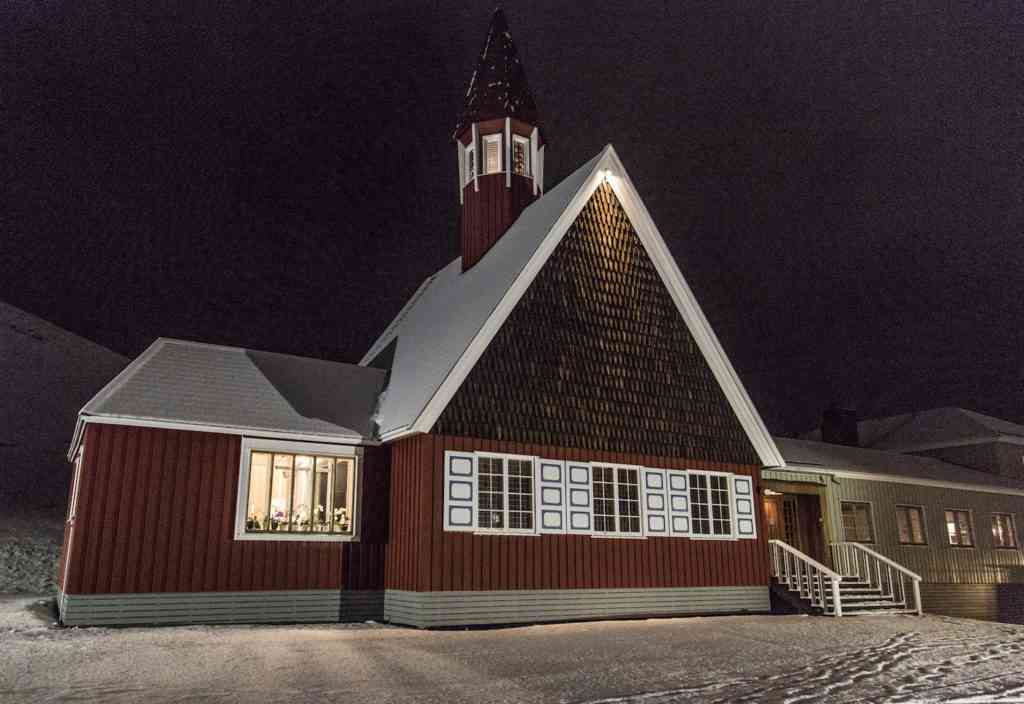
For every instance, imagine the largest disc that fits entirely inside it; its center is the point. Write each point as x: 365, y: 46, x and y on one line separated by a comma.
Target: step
x: 872, y: 605
x: 875, y: 612
x: 860, y: 598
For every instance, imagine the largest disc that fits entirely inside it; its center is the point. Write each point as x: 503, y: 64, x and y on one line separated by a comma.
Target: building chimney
x: 500, y: 148
x: 839, y: 426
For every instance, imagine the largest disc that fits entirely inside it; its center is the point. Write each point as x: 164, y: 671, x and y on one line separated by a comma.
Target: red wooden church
x: 548, y: 430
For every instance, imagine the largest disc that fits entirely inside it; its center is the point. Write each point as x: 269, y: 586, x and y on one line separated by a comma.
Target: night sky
x: 841, y: 183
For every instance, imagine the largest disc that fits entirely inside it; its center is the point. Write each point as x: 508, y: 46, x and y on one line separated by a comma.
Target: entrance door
x: 796, y: 519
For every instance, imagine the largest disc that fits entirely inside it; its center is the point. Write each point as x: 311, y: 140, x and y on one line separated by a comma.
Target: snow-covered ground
x: 46, y: 375
x: 718, y: 659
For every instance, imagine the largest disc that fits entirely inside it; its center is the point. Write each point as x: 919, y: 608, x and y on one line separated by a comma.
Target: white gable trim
x: 609, y: 168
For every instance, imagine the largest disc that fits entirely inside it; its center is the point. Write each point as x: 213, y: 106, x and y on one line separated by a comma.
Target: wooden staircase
x: 870, y: 584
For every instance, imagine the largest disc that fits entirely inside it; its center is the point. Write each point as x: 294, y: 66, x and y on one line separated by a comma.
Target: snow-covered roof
x: 449, y: 309
x: 934, y: 428
x: 195, y: 385
x: 441, y: 333
x: 843, y: 459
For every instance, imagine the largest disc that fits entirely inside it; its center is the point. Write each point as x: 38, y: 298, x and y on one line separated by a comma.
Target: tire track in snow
x: 824, y: 674
x: 826, y: 678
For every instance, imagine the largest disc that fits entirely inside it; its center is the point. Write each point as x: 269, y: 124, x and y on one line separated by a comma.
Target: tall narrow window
x: 492, y: 153
x: 604, y: 499
x: 628, y: 485
x: 491, y: 509
x: 520, y: 494
x: 910, y: 525
x: 709, y: 501
x: 470, y: 163
x: 520, y: 156
x: 958, y: 528
x: 1004, y: 534
x: 299, y: 493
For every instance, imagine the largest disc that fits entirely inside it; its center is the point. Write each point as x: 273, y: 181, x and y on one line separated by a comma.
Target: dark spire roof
x: 498, y: 86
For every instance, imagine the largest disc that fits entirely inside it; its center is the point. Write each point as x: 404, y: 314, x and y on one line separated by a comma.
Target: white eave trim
x: 271, y: 433
x: 899, y: 479
x: 609, y: 168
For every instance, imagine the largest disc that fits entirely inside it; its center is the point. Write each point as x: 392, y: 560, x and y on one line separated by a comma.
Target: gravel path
x: 720, y: 659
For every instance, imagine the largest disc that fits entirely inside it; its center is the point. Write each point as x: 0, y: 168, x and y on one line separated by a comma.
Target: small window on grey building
x: 958, y: 527
x: 910, y: 524
x: 1004, y: 534
x: 857, y: 525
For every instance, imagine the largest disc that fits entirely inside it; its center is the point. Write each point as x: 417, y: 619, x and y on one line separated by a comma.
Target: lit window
x: 910, y: 525
x: 616, y: 499
x: 492, y: 153
x: 857, y: 524
x: 709, y: 500
x: 299, y: 493
x: 470, y: 163
x: 505, y: 493
x: 1003, y: 533
x: 520, y: 156
x: 958, y: 528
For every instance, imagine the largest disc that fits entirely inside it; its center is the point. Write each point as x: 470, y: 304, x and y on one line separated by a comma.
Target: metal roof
x: 242, y: 390
x: 933, y: 428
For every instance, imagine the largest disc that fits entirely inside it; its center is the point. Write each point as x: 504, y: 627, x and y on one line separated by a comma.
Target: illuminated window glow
x: 299, y: 493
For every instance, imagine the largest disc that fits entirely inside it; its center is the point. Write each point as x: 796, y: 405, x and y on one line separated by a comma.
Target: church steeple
x: 500, y: 148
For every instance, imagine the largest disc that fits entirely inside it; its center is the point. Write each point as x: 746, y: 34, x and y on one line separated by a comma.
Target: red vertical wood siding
x: 156, y: 513
x: 421, y: 556
x: 487, y: 213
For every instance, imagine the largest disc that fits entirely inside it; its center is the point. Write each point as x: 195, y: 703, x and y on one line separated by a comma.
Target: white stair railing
x: 890, y: 578
x: 801, y: 573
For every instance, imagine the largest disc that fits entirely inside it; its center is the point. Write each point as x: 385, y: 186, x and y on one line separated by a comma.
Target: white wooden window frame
x: 469, y: 158
x: 618, y: 532
x: 518, y: 139
x: 970, y: 523
x: 1013, y: 530
x: 565, y: 488
x: 76, y: 481
x: 730, y: 504
x: 924, y: 525
x: 491, y: 139
x: 532, y: 459
x: 250, y: 445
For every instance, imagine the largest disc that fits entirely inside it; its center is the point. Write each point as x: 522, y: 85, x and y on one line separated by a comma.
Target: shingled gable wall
x: 595, y: 363
x: 597, y: 356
